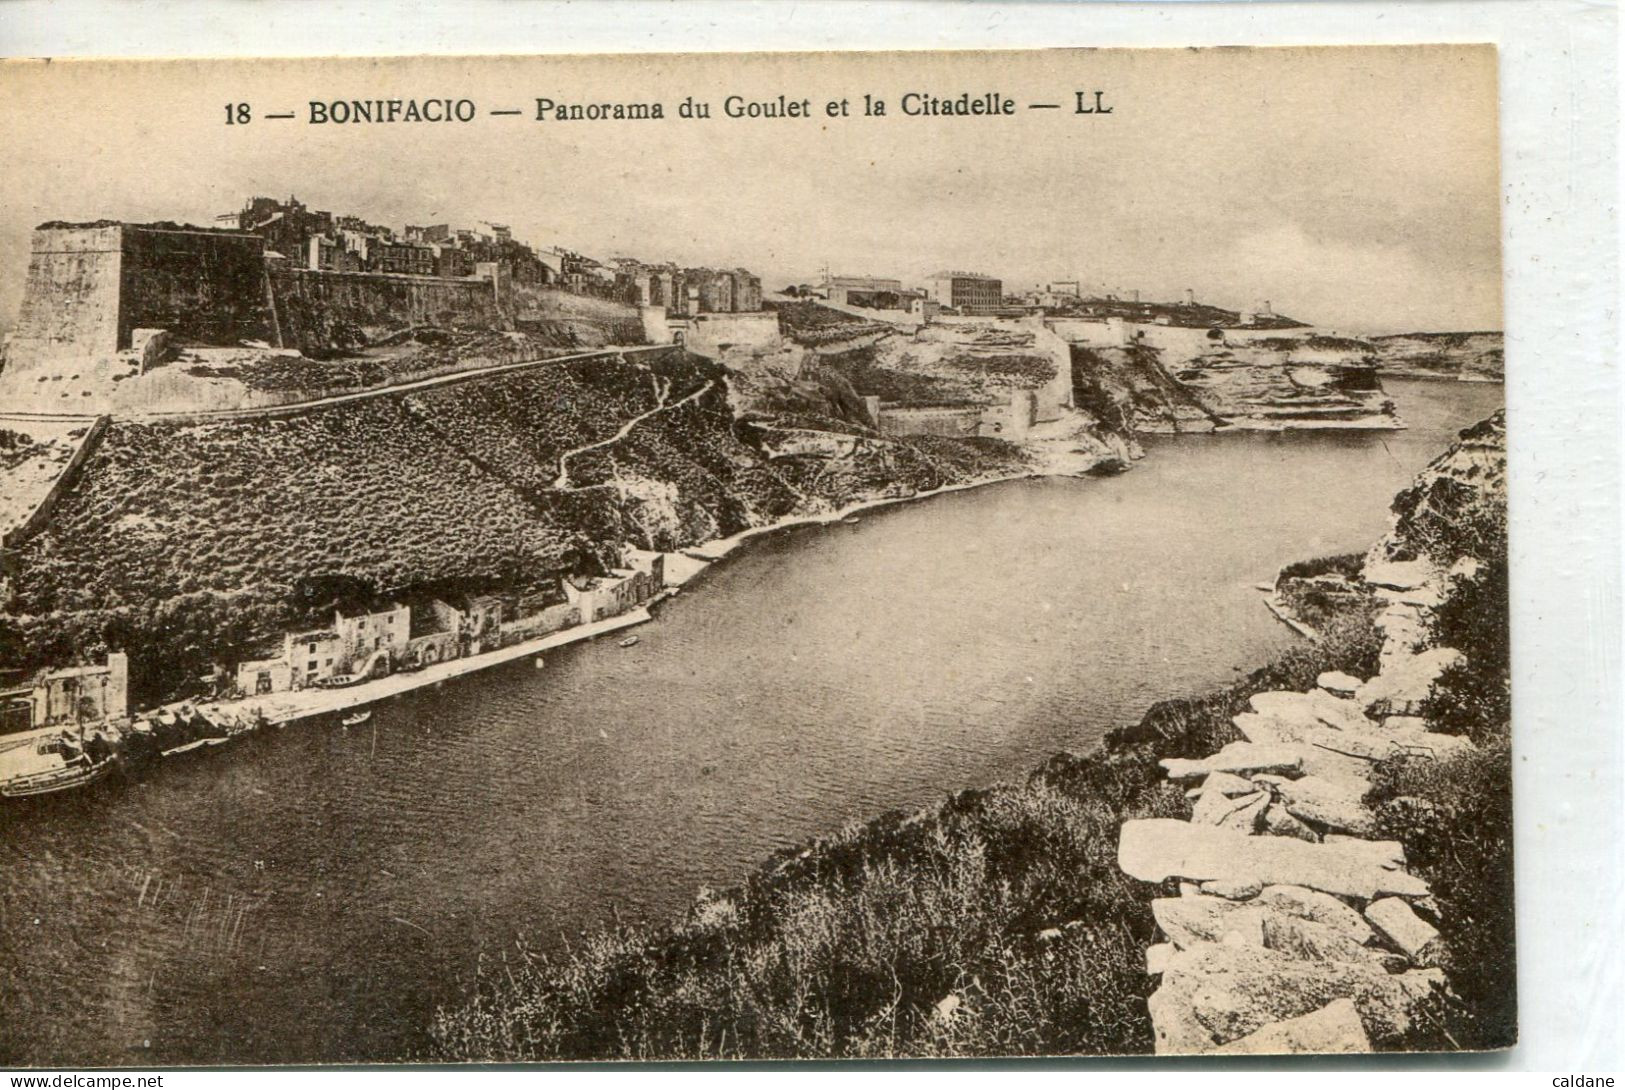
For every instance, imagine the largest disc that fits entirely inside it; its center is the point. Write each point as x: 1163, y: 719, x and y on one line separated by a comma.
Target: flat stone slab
x: 1155, y: 849
x: 1189, y: 921
x: 1237, y: 757
x: 1397, y: 574
x: 1399, y: 924
x: 1213, y: 994
x: 1224, y: 783
x: 1307, y: 710
x: 1338, y: 683
x: 1333, y: 1029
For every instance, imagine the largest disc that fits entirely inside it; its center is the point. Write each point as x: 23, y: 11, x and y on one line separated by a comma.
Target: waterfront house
x: 364, y: 633
x: 64, y: 697
x: 597, y: 597
x: 311, y: 656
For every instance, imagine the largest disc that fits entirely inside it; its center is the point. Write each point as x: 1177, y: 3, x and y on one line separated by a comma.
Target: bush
x: 1005, y: 905
x: 1454, y: 818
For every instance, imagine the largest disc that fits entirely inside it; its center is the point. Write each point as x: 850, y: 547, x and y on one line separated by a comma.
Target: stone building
x: 966, y: 292
x: 68, y: 696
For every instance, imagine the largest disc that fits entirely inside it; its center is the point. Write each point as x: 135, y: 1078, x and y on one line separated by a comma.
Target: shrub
x: 1454, y: 818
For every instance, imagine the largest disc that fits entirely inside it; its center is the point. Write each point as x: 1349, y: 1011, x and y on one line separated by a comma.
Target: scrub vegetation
x: 997, y: 923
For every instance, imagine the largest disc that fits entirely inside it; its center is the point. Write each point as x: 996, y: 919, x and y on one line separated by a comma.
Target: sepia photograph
x: 757, y: 556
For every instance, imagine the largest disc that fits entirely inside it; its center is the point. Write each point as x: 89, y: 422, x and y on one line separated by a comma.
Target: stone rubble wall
x: 1293, y: 930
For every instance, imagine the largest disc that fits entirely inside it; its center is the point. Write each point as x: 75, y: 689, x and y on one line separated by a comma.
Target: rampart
x: 711, y: 334
x: 90, y: 286
x: 318, y: 311
x: 602, y: 321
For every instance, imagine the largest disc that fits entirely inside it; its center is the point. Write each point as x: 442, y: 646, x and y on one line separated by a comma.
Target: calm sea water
x: 313, y: 894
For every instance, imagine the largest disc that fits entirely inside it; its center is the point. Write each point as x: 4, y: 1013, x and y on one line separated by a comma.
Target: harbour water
x: 313, y: 894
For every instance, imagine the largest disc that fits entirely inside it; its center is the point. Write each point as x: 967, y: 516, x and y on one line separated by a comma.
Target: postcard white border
x: 1561, y: 185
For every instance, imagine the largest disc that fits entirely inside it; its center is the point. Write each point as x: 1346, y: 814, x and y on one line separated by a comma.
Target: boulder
x: 1238, y: 813
x: 1175, y: 1030
x: 1277, y: 821
x: 1188, y: 921
x: 1224, y: 783
x: 1247, y: 815
x: 1154, y: 849
x: 1331, y: 803
x: 1232, y: 891
x: 1238, y: 757
x: 1311, y: 940
x: 1322, y: 908
x: 1216, y: 992
x: 1156, y: 957
x: 1400, y: 925
x: 1333, y: 1029
x: 1405, y: 682
x: 1338, y: 683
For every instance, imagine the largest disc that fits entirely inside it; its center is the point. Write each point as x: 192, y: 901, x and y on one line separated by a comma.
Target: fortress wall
x: 206, y: 287
x: 619, y: 323
x: 708, y: 333
x: 319, y: 310
x: 71, y: 299
x: 951, y: 422
x: 36, y: 519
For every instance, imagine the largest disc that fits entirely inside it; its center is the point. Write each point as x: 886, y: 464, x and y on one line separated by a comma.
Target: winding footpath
x: 562, y: 481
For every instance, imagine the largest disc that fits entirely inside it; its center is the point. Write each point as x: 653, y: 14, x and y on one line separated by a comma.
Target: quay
x: 31, y: 756
x: 281, y: 708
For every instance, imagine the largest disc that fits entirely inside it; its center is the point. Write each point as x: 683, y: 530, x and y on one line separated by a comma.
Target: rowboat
x: 629, y: 641
x: 355, y: 719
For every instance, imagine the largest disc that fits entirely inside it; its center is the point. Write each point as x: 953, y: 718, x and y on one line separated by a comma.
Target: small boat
x: 55, y: 764
x: 355, y: 719
x: 630, y: 641
x: 540, y: 662
x: 851, y: 520
x: 44, y: 783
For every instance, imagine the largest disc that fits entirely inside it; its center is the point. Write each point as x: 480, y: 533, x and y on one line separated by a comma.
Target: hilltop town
x: 292, y: 462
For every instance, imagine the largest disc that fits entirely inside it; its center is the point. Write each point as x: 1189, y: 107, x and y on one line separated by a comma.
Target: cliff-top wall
x: 322, y: 312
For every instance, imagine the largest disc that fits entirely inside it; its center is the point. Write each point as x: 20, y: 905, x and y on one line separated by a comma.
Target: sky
x: 1354, y: 188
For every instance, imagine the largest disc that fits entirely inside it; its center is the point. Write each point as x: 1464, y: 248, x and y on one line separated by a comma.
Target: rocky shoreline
x: 1295, y: 926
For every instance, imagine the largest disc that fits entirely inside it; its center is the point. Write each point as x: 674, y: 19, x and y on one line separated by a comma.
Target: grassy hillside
x: 995, y: 924
x: 189, y: 545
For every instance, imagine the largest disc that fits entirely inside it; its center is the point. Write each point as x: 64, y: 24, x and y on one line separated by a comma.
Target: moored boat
x: 355, y: 719
x: 56, y: 763
x: 630, y: 641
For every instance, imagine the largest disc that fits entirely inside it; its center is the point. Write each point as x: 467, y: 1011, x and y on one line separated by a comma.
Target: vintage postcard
x: 753, y: 557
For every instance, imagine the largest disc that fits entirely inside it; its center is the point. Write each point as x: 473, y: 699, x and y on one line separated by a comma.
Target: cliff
x: 1177, y: 378
x: 1471, y: 357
